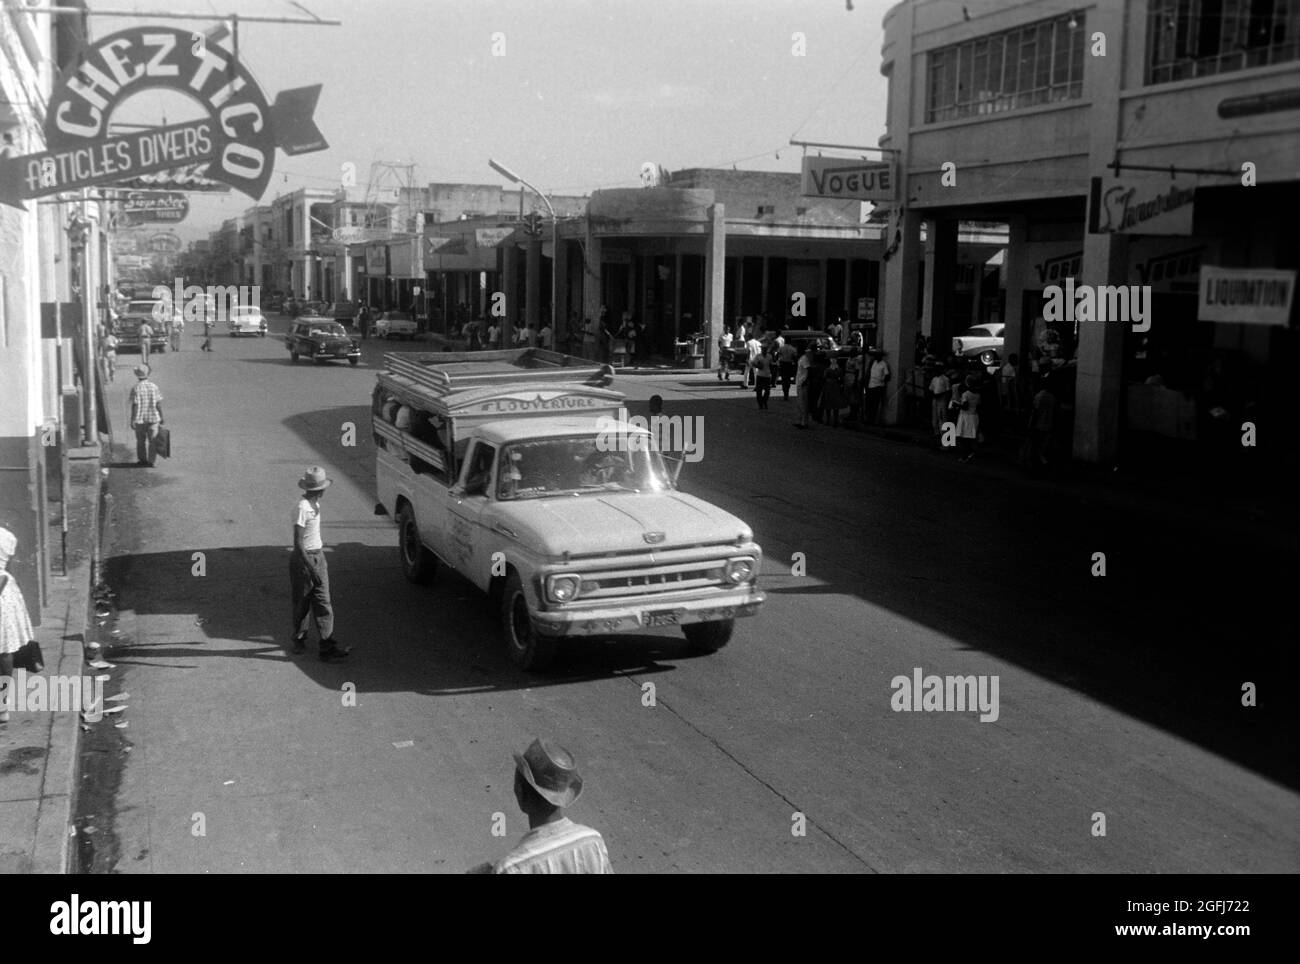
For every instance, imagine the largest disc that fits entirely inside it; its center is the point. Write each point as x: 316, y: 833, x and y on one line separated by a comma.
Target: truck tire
x: 524, y: 646
x: 709, y: 637
x: 353, y: 361
x: 418, y: 563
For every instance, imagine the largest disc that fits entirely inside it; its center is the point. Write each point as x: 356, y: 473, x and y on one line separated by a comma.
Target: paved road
x: 1118, y: 695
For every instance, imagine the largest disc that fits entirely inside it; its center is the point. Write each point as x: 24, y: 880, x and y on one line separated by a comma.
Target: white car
x: 247, y: 320
x: 980, y: 341
x: 391, y: 324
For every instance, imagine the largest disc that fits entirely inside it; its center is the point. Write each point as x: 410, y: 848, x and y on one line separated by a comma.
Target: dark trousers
x: 146, y: 443
x: 762, y: 389
x: 787, y: 377
x: 311, y: 597
x: 875, y: 396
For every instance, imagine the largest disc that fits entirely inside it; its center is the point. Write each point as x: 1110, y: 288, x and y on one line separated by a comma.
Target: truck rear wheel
x: 418, y: 563
x: 525, y: 647
x: 709, y: 637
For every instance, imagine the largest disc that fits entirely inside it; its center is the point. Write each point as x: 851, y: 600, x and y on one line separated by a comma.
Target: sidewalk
x: 38, y: 750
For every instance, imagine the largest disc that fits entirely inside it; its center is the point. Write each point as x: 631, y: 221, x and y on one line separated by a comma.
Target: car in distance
x: 394, y: 324
x: 320, y: 339
x: 980, y: 341
x: 247, y: 320
x: 158, y: 314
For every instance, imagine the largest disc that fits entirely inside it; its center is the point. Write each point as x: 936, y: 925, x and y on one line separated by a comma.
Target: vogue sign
x: 237, y: 137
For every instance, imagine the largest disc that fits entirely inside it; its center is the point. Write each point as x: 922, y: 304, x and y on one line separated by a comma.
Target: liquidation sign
x: 237, y: 137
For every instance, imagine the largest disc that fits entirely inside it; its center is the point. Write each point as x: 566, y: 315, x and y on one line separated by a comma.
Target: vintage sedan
x: 159, y: 315
x: 247, y: 320
x: 320, y: 339
x: 394, y: 324
x: 980, y: 341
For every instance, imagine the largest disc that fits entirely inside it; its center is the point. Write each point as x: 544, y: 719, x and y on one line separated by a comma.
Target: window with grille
x: 1198, y: 38
x: 1039, y: 63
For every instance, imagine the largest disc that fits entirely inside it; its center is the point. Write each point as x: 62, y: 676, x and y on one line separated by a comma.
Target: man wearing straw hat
x: 547, y: 781
x: 309, y: 576
x: 146, y: 416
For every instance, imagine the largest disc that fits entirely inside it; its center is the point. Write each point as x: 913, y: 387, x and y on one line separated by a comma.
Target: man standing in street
x: 802, y: 387
x: 547, y: 781
x: 309, y: 577
x: 146, y: 343
x: 146, y: 415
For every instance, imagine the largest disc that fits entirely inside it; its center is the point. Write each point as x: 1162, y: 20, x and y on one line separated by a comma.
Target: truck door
x: 469, y: 544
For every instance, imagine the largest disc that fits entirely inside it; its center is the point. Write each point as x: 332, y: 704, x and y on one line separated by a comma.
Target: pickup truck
x: 510, y: 468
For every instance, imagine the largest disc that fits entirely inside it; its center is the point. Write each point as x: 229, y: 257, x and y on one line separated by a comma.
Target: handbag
x: 163, y: 443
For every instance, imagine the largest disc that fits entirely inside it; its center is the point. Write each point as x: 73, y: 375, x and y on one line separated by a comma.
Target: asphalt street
x: 1119, y: 695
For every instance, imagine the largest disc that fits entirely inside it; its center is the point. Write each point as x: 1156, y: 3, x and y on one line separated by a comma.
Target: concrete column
x: 591, y: 288
x: 740, y: 291
x: 1100, y: 356
x: 823, y: 296
x: 897, y: 316
x: 1014, y: 260
x: 940, y: 271
x: 533, y: 283
x: 561, y: 292
x: 762, y: 301
x: 715, y: 270
x: 509, y: 284
x: 677, y: 295
x: 850, y: 309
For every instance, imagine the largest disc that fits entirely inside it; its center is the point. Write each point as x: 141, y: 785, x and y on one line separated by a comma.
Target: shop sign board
x: 835, y: 177
x: 148, y: 206
x: 1251, y: 296
x: 237, y: 137
x: 1141, y: 204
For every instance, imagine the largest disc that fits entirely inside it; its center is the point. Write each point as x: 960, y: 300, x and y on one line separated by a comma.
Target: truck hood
x: 618, y: 522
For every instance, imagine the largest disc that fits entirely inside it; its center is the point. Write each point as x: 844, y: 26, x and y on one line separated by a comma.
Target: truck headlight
x: 740, y: 570
x: 563, y: 588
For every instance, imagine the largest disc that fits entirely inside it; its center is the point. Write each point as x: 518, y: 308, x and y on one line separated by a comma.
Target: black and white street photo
x: 835, y: 437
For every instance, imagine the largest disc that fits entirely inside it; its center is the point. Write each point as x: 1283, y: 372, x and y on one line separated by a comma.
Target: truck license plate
x: 661, y: 617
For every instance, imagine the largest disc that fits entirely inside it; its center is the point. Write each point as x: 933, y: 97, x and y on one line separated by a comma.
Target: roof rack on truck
x: 446, y: 372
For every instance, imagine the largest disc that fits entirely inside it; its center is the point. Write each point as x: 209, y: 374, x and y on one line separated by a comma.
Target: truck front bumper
x: 652, y: 613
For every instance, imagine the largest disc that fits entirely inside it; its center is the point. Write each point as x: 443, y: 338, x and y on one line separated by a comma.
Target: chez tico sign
x: 237, y: 138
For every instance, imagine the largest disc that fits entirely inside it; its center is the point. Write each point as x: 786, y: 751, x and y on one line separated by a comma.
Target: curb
x: 50, y: 848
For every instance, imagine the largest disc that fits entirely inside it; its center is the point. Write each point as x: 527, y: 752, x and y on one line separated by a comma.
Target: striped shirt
x: 562, y: 847
x: 145, y: 397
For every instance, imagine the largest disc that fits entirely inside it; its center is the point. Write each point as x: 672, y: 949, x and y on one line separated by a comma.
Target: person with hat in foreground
x: 146, y: 416
x: 547, y: 781
x: 309, y: 576
x: 15, y: 624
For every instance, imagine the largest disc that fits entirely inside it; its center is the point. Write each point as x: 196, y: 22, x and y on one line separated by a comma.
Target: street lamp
x: 514, y: 178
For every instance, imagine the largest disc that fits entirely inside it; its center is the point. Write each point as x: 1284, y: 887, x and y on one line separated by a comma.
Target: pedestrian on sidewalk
x: 787, y: 359
x: 309, y: 577
x: 207, y: 331
x: 111, y: 341
x: 1008, y: 393
x: 178, y: 329
x: 15, y: 625
x: 1042, y: 419
x: 724, y: 355
x: 546, y: 782
x: 762, y: 378
x: 940, y: 391
x: 753, y: 348
x: 146, y: 342
x: 803, y: 388
x: 146, y: 417
x: 968, y: 421
x: 832, y: 399
x: 878, y: 376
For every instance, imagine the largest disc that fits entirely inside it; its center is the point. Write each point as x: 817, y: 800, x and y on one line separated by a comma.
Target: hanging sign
x: 1141, y: 204
x: 835, y: 177
x: 237, y: 137
x: 145, y: 207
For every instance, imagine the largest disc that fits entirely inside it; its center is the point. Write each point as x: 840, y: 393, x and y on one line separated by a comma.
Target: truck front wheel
x: 417, y: 562
x: 709, y: 637
x: 526, y: 648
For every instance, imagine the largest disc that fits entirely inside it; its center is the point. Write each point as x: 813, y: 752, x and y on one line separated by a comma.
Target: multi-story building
x: 1148, y: 146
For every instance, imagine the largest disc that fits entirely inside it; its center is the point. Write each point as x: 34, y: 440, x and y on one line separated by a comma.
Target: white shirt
x: 879, y: 372
x: 939, y: 385
x: 755, y: 346
x: 308, y: 516
x: 726, y: 339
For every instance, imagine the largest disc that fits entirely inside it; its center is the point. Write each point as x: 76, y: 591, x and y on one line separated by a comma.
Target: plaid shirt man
x: 145, y: 397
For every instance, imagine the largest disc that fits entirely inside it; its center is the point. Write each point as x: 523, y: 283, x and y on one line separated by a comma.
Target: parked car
x: 980, y: 341
x: 320, y: 339
x: 247, y: 320
x: 158, y: 314
x: 394, y: 324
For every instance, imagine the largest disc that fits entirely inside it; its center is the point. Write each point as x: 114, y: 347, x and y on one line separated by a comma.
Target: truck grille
x: 656, y: 579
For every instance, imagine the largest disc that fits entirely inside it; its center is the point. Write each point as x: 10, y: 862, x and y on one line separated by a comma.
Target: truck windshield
x: 578, y: 465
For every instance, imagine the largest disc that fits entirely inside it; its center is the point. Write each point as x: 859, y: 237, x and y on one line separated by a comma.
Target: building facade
x: 1147, y: 146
